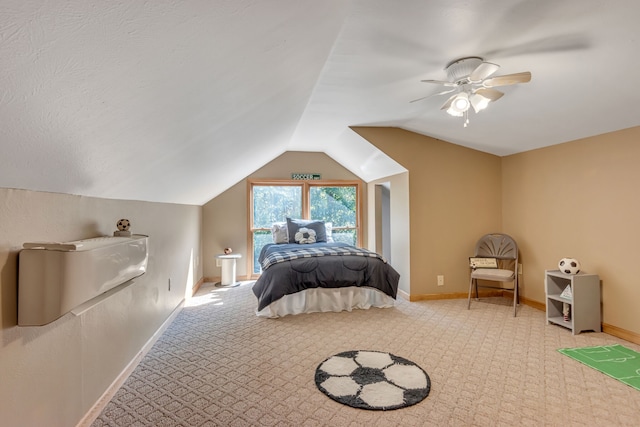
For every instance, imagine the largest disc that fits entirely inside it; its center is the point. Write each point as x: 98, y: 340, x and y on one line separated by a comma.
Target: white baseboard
x: 106, y: 397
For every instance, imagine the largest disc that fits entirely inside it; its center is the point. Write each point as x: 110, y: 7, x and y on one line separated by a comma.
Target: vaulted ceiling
x: 175, y: 101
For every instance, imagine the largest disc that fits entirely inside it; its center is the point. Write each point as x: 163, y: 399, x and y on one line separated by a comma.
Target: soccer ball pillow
x: 123, y: 225
x: 305, y: 235
x: 569, y: 266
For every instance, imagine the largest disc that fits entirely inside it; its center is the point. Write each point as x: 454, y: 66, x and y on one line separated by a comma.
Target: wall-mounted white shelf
x: 55, y: 278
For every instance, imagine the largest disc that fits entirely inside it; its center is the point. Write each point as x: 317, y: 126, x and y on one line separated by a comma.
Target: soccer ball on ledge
x: 123, y: 225
x: 569, y: 266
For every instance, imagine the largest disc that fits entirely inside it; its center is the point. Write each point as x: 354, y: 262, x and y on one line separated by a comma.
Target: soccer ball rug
x: 372, y: 380
x: 123, y: 225
x: 569, y: 266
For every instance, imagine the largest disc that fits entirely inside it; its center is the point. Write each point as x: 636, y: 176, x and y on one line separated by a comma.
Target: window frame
x: 306, y: 186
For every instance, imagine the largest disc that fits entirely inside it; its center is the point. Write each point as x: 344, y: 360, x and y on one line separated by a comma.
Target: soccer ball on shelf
x: 569, y: 266
x: 123, y: 225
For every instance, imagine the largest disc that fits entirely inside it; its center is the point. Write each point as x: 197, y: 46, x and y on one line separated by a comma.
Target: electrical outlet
x: 440, y: 280
x: 519, y: 268
x: 218, y: 263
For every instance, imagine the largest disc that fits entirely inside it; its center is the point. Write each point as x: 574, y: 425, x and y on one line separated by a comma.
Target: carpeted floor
x: 220, y: 365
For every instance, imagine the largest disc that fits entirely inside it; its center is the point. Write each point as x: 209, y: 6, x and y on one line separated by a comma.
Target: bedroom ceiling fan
x: 470, y: 78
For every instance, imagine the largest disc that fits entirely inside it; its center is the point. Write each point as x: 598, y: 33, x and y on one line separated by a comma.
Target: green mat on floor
x: 617, y: 361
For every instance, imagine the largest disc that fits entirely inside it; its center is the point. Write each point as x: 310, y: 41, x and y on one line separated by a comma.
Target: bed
x: 309, y: 276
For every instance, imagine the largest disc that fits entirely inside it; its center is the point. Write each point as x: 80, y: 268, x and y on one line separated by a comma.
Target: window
x: 335, y: 202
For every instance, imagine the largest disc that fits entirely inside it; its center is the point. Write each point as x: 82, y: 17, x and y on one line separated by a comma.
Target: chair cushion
x: 496, y: 274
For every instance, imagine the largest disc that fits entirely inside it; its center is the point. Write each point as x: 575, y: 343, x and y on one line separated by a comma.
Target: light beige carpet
x: 220, y: 365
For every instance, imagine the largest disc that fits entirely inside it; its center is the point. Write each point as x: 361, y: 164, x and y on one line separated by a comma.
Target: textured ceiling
x: 175, y: 101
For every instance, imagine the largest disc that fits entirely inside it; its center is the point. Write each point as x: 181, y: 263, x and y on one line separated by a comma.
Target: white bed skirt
x: 323, y: 300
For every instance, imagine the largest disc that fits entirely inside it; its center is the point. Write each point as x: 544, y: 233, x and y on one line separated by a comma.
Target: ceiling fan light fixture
x: 459, y: 105
x: 479, y: 102
x: 472, y: 78
x: 455, y: 113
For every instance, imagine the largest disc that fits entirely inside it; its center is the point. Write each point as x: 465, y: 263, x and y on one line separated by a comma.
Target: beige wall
x: 225, y: 217
x: 454, y: 198
x: 580, y: 199
x: 52, y: 375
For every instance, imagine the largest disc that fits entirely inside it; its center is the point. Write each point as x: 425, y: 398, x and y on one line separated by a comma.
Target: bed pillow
x: 328, y: 226
x: 280, y: 233
x: 293, y: 225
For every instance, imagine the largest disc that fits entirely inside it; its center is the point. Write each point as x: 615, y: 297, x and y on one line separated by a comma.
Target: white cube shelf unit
x: 584, y: 303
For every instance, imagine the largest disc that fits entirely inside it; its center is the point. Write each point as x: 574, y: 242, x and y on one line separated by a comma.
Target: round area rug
x: 372, y: 380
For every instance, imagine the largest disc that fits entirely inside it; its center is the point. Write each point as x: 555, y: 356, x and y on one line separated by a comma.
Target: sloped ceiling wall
x: 160, y: 101
x: 176, y: 101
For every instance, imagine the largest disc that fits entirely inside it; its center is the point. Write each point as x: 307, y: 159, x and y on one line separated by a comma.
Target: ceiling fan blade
x: 509, y: 79
x: 419, y: 99
x: 444, y: 92
x: 434, y: 94
x: 482, y: 71
x: 440, y: 82
x: 490, y: 94
x: 549, y: 44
